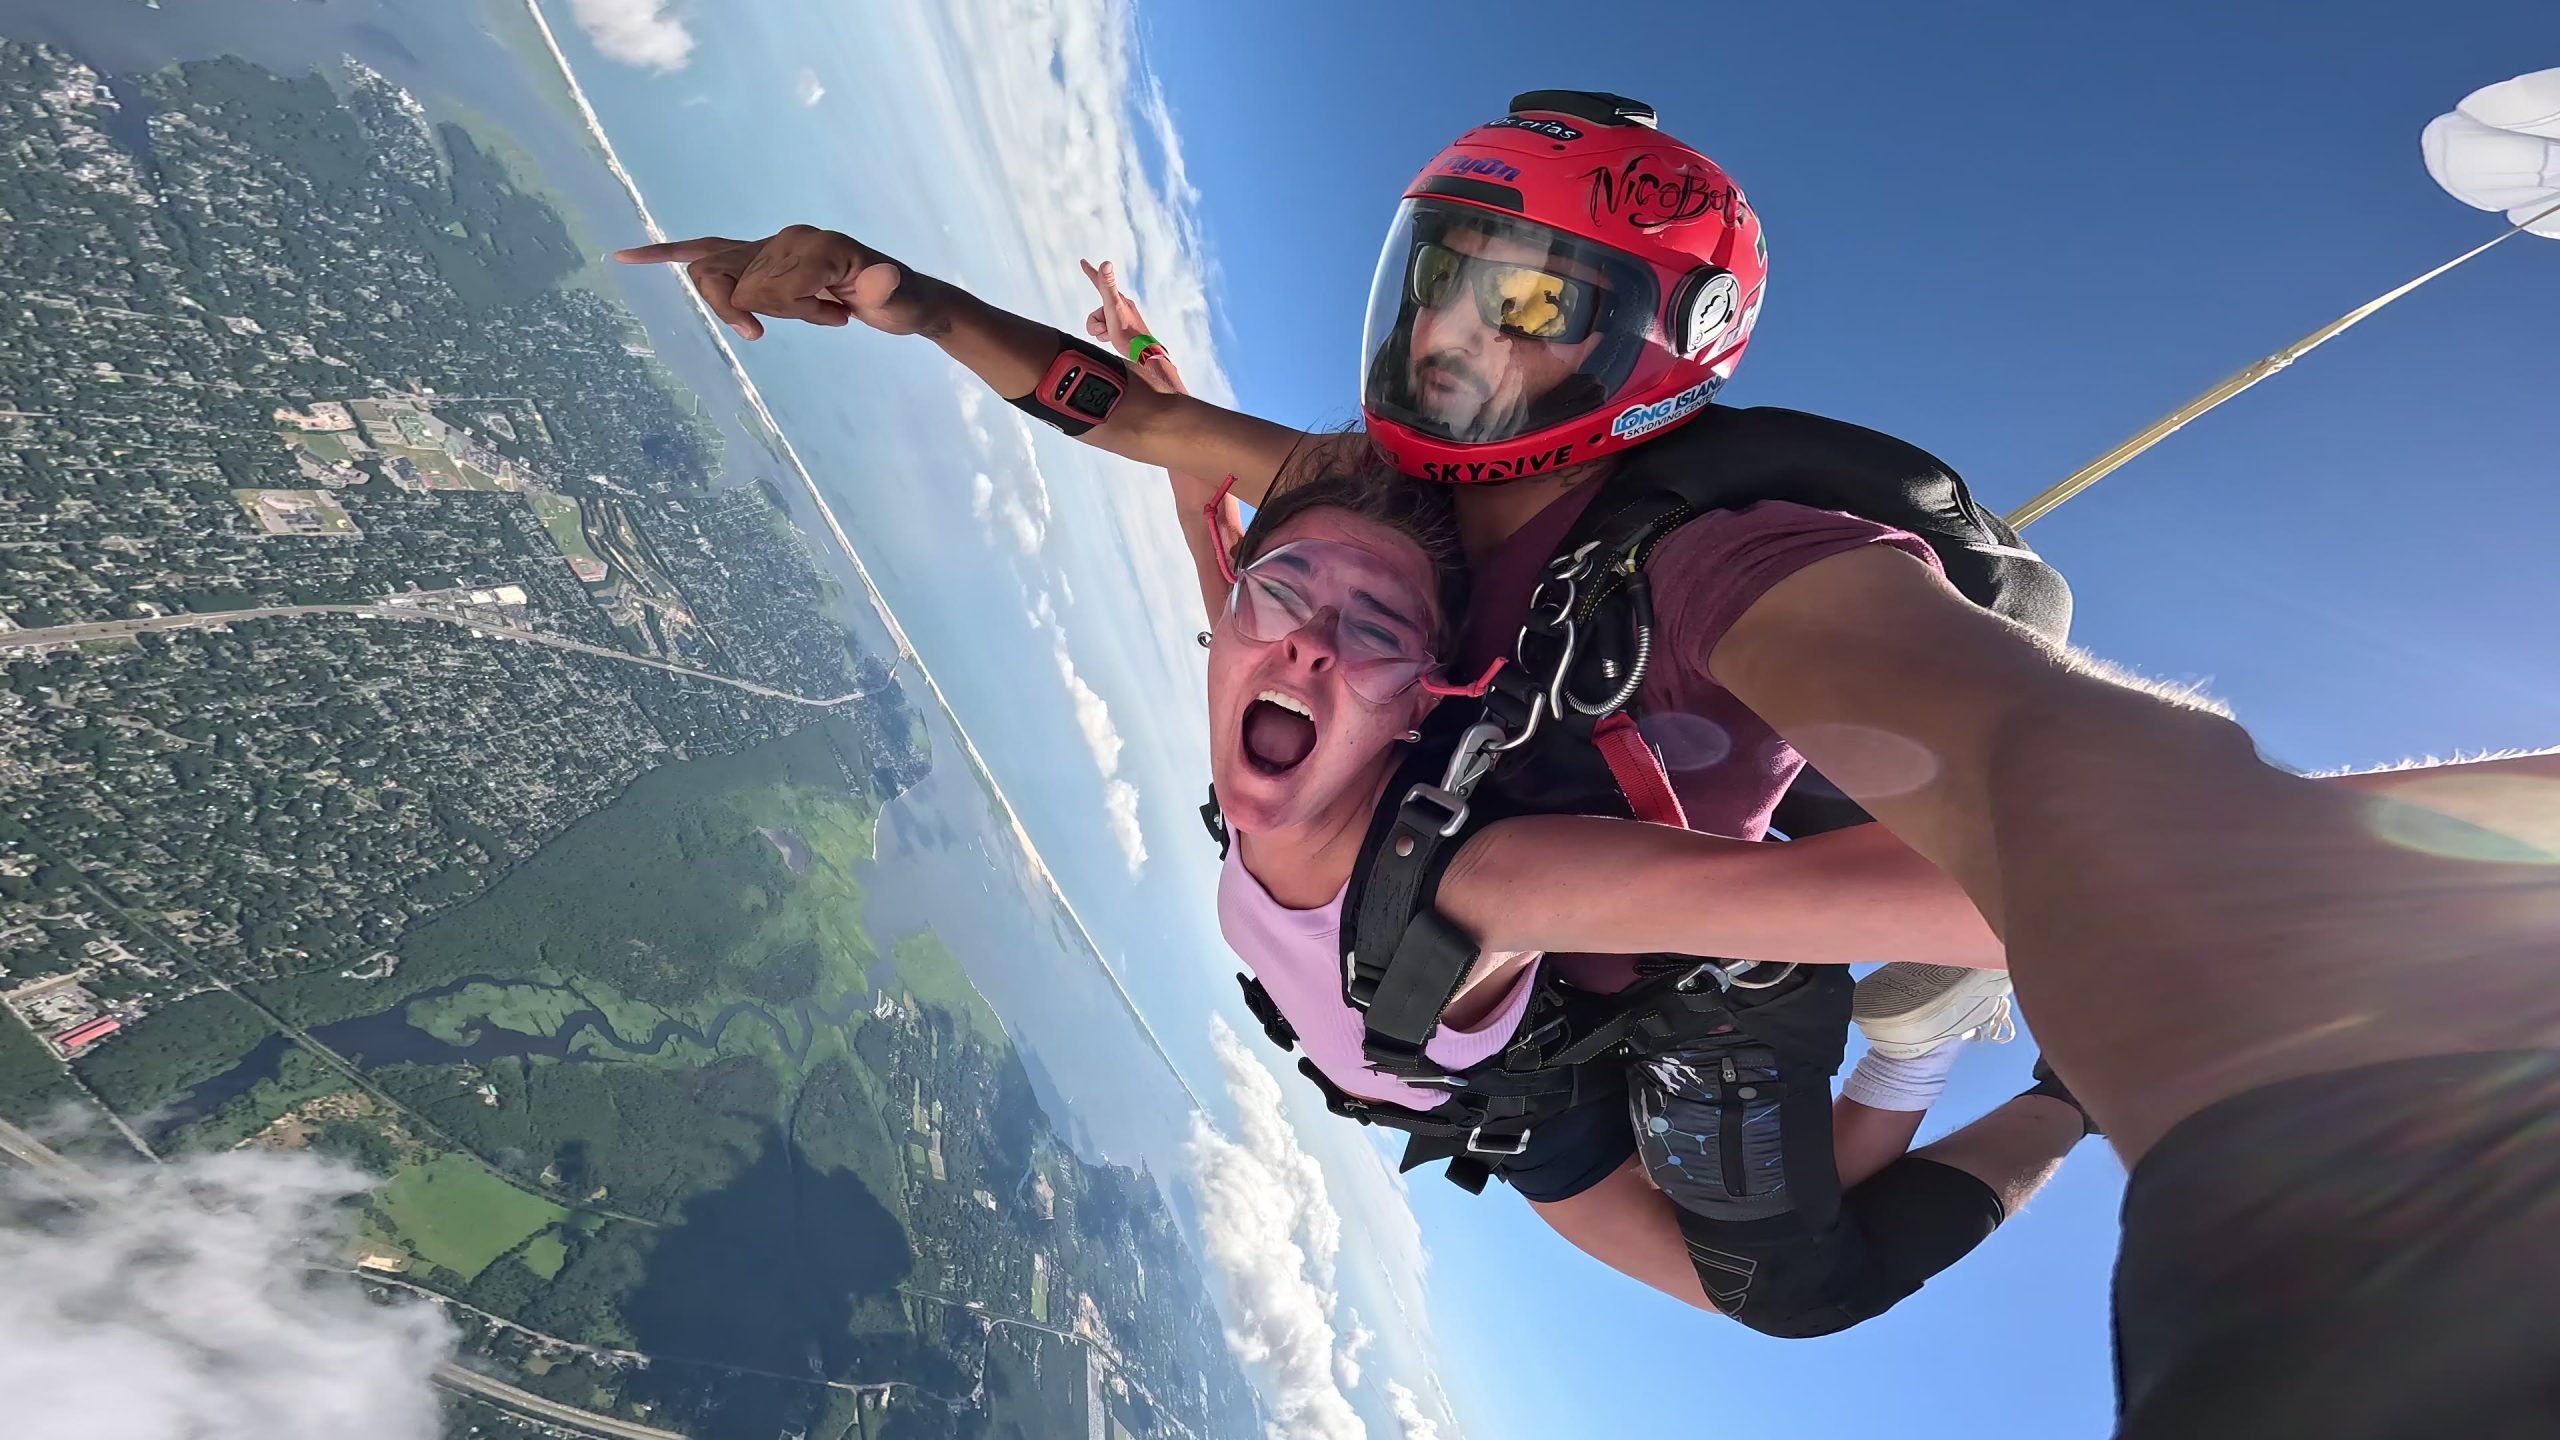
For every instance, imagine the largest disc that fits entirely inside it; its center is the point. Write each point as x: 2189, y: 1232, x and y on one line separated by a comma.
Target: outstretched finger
x: 1131, y: 321
x: 676, y: 252
x: 1116, y: 308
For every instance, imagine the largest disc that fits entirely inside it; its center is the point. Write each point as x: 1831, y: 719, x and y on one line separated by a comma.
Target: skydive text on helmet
x: 1640, y: 194
x: 1549, y: 128
x: 1467, y: 472
x: 1638, y: 420
x: 1480, y: 165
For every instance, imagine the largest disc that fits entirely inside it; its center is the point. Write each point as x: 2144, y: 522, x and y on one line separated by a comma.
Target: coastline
x: 907, y: 655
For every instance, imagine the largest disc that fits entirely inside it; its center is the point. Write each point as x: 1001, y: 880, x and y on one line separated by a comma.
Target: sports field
x: 450, y: 1212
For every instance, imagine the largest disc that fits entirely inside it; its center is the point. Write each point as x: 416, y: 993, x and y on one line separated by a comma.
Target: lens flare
x: 1865, y: 761
x: 2505, y: 818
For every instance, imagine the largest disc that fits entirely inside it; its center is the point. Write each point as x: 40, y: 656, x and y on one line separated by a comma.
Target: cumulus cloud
x: 646, y: 33
x: 1101, y: 736
x: 1410, y: 1420
x: 1093, y: 165
x: 1011, y: 495
x: 179, y: 1300
x: 1120, y: 809
x: 1346, y: 1361
x: 806, y: 86
x: 1272, y: 1235
x: 1093, y: 715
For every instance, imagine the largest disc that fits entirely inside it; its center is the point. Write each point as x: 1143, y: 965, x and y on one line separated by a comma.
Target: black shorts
x: 1573, y: 1151
x: 2365, y: 1254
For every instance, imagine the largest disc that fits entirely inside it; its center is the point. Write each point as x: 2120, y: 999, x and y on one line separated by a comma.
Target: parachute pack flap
x: 2500, y: 150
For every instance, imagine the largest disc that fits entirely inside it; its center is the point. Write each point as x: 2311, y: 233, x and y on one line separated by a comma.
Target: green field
x: 544, y: 1254
x: 930, y: 972
x: 451, y: 1213
x: 524, y: 1009
x: 560, y: 515
x: 323, y: 444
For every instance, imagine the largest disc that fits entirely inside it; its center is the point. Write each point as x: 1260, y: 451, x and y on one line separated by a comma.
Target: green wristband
x: 1139, y: 345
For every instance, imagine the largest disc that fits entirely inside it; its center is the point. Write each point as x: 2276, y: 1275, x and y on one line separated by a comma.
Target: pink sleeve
x: 1716, y: 567
x: 1457, y: 1049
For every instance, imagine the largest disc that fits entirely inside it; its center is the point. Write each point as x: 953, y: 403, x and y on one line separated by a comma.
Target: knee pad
x: 1795, y: 1281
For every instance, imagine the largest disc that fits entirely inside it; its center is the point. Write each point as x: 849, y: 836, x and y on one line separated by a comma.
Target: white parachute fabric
x: 2500, y: 150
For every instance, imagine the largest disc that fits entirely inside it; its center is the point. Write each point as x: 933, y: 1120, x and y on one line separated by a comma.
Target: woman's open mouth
x: 1279, y: 733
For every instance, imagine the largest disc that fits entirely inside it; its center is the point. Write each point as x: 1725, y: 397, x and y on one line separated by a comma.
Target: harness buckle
x: 1454, y: 806
x: 1708, y: 969
x: 1478, y: 1145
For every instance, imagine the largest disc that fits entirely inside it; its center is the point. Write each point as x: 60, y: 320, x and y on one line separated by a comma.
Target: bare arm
x: 828, y: 278
x: 1583, y: 884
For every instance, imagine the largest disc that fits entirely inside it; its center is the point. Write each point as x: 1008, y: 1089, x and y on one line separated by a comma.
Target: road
x: 27, y: 1150
x: 472, y: 1382
x: 383, y: 610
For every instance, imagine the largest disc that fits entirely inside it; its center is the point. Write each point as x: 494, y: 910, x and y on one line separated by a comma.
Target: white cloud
x: 1408, y: 1412
x: 1346, y: 1361
x: 1011, y: 495
x: 1066, y: 86
x: 1101, y: 736
x: 1120, y: 805
x: 1272, y: 1235
x: 1093, y: 715
x: 636, y: 32
x: 806, y: 86
x: 180, y: 1301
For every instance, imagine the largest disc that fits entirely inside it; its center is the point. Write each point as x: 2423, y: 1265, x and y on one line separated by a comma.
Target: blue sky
x: 2012, y: 242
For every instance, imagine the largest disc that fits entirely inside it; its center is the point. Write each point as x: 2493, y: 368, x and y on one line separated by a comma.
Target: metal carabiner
x: 1473, y: 757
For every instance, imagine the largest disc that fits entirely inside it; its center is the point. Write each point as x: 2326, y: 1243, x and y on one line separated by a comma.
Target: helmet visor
x: 1484, y: 327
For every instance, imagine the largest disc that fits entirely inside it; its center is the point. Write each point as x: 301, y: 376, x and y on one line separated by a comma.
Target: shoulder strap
x: 1402, y: 961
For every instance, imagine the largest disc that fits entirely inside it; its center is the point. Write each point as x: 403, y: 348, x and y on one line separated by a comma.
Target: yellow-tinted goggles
x: 1519, y: 300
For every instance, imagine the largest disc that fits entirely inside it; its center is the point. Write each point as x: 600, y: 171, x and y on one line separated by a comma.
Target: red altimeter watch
x: 1083, y: 386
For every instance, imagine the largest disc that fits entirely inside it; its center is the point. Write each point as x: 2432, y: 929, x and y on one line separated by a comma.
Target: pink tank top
x: 1297, y: 956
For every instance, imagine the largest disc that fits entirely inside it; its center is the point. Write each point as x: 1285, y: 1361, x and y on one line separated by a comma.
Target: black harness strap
x: 1216, y: 820
x: 1267, y: 1011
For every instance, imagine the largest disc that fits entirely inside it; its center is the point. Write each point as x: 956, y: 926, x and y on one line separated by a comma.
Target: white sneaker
x: 1908, y: 1010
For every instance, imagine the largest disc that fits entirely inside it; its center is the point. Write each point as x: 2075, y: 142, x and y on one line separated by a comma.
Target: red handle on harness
x: 1638, y: 772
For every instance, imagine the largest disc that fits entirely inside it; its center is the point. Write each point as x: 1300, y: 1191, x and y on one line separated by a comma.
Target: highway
x: 472, y: 1382
x: 381, y: 610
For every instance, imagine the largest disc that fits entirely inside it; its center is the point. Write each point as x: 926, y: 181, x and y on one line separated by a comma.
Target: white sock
x: 1887, y: 1083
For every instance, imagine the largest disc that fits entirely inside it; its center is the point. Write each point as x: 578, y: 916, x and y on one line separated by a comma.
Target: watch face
x: 1093, y: 396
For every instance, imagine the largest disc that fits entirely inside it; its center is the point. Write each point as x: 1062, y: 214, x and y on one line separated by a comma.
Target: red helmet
x: 1561, y: 282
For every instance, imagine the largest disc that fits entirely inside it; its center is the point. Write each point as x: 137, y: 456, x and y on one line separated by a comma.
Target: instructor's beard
x: 1476, y: 411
